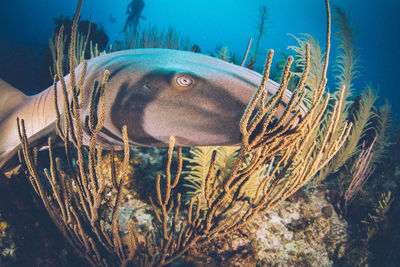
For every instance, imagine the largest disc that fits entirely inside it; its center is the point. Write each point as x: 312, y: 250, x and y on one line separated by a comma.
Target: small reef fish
x: 155, y: 92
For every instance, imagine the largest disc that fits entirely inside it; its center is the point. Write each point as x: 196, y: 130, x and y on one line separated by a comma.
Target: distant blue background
x: 25, y: 27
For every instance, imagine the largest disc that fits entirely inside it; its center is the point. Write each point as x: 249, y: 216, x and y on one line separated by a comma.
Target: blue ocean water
x: 25, y: 27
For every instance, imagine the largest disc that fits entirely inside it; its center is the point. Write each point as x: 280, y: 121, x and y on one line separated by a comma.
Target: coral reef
x: 282, y: 149
x: 301, y: 231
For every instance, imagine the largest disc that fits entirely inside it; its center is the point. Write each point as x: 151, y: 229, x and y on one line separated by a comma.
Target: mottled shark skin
x: 155, y: 92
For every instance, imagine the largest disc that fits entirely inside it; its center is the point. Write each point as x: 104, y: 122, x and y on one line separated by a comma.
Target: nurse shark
x: 156, y: 93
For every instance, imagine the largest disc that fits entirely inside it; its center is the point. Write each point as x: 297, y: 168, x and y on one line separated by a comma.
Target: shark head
x: 157, y: 93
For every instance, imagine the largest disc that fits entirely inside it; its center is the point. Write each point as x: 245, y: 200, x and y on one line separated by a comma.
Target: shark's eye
x: 184, y: 80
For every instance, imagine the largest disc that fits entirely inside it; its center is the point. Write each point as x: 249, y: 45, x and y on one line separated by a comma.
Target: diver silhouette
x: 134, y: 9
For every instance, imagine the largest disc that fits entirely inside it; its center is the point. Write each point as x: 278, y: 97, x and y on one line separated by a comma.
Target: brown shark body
x: 155, y: 92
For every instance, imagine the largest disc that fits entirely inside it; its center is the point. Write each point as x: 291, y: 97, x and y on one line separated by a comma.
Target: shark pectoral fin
x: 10, y: 98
